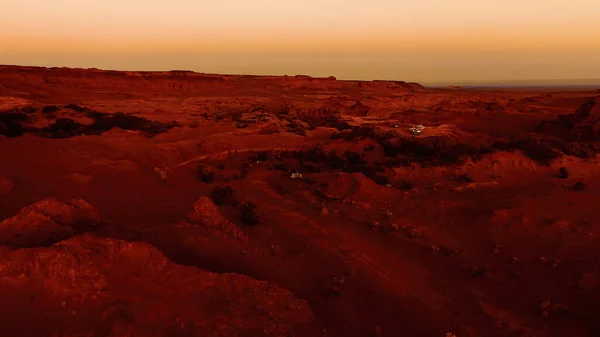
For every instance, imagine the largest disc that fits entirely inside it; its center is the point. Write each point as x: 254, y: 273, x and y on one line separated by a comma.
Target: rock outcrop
x: 355, y: 186
x: 88, y: 286
x: 48, y: 221
x: 205, y: 214
x: 583, y: 125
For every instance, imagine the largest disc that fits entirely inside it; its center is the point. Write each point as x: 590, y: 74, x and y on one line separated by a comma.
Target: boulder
x: 205, y: 213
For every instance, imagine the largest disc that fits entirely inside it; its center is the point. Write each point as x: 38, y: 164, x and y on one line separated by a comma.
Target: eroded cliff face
x: 46, y: 80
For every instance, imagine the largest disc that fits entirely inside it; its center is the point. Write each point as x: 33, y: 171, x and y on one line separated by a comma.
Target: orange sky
x: 429, y: 41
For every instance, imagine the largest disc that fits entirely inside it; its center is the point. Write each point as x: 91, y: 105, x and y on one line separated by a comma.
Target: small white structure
x: 417, y: 130
x: 296, y: 175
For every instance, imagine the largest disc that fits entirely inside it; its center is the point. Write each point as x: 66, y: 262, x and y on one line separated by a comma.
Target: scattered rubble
x: 546, y: 308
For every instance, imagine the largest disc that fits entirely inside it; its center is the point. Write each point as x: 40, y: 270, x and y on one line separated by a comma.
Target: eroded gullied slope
x: 88, y: 286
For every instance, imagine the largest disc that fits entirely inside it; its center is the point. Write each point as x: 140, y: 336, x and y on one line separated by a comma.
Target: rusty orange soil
x: 165, y: 204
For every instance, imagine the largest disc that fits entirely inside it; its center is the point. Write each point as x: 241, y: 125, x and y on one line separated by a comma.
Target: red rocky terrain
x: 186, y: 204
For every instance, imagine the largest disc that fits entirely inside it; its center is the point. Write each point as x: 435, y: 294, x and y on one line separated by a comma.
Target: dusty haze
x: 430, y: 41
